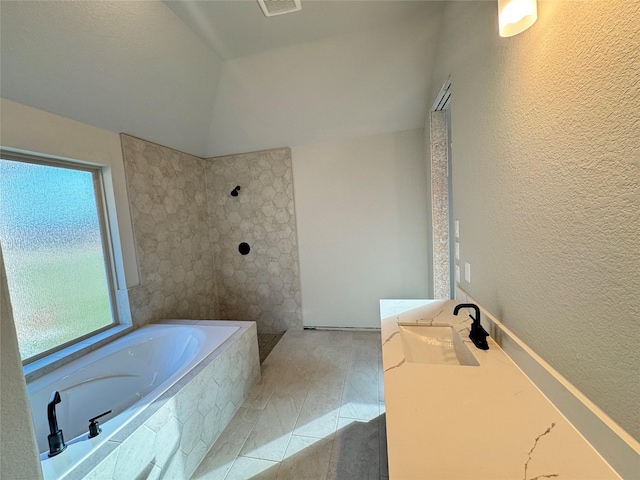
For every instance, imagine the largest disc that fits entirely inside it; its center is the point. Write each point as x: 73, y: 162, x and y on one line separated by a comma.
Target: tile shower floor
x: 317, y: 413
x: 266, y: 343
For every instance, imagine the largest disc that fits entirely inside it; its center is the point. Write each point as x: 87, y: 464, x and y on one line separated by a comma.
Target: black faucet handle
x: 478, y: 336
x: 94, y: 425
x: 99, y: 416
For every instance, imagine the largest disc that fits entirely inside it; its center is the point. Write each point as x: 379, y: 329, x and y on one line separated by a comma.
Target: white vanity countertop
x: 472, y: 422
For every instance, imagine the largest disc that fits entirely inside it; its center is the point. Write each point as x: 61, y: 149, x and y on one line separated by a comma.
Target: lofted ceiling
x: 236, y: 28
x: 218, y: 77
x: 336, y: 69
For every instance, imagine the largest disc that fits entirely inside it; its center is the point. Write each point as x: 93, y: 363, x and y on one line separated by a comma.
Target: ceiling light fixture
x: 515, y: 16
x: 279, y: 7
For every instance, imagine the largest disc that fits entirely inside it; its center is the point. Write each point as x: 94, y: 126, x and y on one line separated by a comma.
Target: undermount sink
x: 434, y: 344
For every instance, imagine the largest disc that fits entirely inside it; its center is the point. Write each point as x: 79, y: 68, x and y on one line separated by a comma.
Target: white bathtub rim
x: 103, y: 446
x: 60, y: 358
x: 157, y: 340
x: 125, y: 431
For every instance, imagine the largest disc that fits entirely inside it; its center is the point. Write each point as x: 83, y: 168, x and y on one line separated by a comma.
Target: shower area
x: 215, y: 238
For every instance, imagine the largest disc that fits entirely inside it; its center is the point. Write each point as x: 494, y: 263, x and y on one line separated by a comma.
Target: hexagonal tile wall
x: 263, y: 285
x: 167, y: 195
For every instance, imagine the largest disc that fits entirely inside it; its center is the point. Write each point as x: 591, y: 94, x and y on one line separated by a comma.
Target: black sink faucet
x: 478, y: 334
x: 56, y: 439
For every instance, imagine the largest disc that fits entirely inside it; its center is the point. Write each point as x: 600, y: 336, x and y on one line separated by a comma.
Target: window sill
x: 56, y: 360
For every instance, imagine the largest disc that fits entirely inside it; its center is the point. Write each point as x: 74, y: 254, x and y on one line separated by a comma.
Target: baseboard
x: 344, y: 329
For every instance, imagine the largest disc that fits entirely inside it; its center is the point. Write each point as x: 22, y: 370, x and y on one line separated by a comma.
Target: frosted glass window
x: 52, y: 241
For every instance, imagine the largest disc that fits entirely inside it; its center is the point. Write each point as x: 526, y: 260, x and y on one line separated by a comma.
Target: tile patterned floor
x: 317, y: 413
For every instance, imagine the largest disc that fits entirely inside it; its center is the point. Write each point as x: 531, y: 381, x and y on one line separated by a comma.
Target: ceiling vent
x: 279, y: 7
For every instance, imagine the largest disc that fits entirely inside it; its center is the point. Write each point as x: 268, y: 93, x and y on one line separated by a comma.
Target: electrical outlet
x: 467, y: 271
x: 457, y: 273
x: 457, y: 251
x: 457, y: 228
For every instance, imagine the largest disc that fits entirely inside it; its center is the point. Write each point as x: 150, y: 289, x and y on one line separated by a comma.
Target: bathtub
x: 135, y: 377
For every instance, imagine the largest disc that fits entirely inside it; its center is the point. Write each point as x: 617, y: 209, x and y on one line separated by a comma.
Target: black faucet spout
x: 468, y: 305
x: 56, y: 439
x: 51, y: 411
x: 478, y: 334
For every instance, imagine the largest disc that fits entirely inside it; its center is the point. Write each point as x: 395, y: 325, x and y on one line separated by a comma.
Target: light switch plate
x: 467, y: 271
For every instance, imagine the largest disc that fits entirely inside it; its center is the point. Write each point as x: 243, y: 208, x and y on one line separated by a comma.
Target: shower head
x: 234, y: 192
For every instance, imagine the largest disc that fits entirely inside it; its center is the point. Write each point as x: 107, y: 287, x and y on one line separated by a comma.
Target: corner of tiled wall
x: 188, y: 228
x: 263, y: 285
x: 170, y: 219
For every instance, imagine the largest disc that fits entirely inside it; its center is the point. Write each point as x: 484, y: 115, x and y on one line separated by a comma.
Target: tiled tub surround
x: 168, y: 202
x: 492, y: 413
x: 263, y: 285
x: 170, y: 437
x: 121, y: 378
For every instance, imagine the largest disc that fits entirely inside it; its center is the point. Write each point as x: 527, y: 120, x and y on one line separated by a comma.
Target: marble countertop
x: 472, y: 422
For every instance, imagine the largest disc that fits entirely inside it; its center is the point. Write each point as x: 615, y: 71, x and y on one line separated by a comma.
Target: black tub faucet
x: 478, y: 334
x: 56, y: 439
x: 94, y: 426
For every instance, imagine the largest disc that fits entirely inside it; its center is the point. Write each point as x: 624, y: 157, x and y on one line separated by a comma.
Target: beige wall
x: 18, y: 449
x: 546, y: 169
x: 362, y: 210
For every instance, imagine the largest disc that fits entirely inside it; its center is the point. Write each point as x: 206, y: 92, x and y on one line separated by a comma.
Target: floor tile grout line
x: 263, y: 410
x: 241, y: 446
x: 303, y: 402
x: 230, y: 468
x: 297, y: 418
x: 318, y: 363
x: 349, y: 369
x: 248, y: 433
x: 344, y: 383
x: 293, y: 427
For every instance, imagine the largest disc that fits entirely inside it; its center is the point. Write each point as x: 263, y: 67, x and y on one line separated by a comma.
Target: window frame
x: 108, y: 251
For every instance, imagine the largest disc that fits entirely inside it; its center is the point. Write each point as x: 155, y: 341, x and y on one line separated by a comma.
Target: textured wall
x: 168, y: 200
x: 264, y: 285
x: 546, y: 169
x: 19, y: 455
